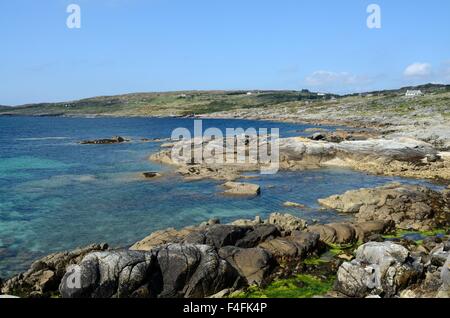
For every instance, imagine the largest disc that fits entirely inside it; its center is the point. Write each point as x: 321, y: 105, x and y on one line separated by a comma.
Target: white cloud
x: 418, y: 70
x: 322, y: 78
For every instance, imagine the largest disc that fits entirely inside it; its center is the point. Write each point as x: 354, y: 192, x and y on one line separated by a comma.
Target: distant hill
x: 186, y: 103
x: 181, y: 103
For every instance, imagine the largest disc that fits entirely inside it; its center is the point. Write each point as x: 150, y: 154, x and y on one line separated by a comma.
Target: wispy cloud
x: 418, y: 70
x: 328, y: 78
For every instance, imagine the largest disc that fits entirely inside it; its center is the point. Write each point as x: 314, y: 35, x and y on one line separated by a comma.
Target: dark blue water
x: 56, y: 194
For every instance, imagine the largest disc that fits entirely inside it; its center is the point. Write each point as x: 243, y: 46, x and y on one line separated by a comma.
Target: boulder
x: 223, y: 235
x: 241, y: 188
x: 44, y: 275
x: 382, y: 269
x: 254, y: 264
x: 299, y: 245
x: 287, y: 222
x: 157, y: 238
x: 326, y: 233
x: 193, y: 271
x: 364, y: 230
x: 259, y: 234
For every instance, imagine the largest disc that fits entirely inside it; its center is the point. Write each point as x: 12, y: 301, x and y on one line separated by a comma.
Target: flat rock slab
x: 241, y: 188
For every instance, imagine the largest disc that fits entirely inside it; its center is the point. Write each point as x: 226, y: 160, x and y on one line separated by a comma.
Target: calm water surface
x: 56, y: 194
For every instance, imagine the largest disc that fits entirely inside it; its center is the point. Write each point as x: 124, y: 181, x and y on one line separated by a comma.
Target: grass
x: 299, y: 286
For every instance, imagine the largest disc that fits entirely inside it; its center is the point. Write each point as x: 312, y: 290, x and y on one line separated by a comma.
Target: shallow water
x: 56, y: 194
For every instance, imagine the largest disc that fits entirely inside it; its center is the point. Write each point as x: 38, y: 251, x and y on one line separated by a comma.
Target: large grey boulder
x: 193, y: 271
x: 119, y: 274
x: 254, y: 264
x: 378, y: 269
x: 169, y: 271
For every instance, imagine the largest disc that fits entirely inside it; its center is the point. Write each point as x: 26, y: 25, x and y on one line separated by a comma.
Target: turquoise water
x: 56, y: 194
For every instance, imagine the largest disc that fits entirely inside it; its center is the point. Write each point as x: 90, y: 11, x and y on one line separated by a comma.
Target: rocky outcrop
x: 382, y: 269
x: 397, y: 156
x: 112, y: 140
x: 44, y: 275
x: 411, y: 207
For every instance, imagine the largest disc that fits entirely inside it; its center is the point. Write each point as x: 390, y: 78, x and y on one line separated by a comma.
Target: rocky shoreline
x: 217, y: 260
x: 397, y: 246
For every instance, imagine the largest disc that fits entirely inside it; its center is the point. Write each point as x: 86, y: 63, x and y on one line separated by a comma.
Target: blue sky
x: 162, y: 45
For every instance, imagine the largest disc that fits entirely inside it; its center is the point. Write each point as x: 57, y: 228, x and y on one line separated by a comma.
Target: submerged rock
x: 112, y: 140
x: 151, y: 175
x: 241, y: 188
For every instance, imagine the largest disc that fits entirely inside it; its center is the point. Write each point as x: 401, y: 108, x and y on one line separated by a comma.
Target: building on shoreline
x: 413, y: 93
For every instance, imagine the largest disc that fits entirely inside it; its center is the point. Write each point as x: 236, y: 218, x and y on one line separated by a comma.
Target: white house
x: 413, y: 93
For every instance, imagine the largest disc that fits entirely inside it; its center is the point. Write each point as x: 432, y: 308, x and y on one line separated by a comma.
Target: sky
x: 125, y: 46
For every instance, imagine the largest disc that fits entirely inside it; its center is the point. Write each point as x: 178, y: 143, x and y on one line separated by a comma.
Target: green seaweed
x: 337, y: 249
x: 298, y: 286
x: 402, y: 233
x: 315, y: 261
